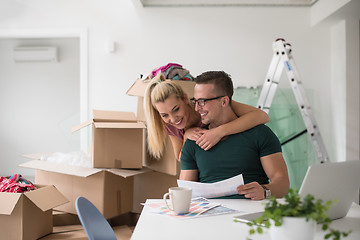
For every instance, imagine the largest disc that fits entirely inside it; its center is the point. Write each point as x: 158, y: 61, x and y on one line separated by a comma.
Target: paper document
x: 211, y: 190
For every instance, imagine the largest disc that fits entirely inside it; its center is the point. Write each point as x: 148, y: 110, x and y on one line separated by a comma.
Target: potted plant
x: 298, y: 217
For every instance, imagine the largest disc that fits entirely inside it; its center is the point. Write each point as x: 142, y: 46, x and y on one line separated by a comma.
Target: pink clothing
x: 163, y: 68
x: 173, y: 131
x: 15, y: 184
x: 179, y: 133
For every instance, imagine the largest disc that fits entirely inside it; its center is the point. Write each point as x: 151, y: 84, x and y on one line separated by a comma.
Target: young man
x: 255, y: 153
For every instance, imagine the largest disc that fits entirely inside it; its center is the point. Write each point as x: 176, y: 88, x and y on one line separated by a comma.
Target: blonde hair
x: 158, y: 90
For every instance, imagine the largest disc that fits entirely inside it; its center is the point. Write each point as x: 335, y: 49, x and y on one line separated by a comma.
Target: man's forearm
x: 189, y: 175
x: 279, y: 187
x: 276, y: 170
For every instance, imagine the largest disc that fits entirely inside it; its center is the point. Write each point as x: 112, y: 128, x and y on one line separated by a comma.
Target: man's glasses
x: 202, y: 101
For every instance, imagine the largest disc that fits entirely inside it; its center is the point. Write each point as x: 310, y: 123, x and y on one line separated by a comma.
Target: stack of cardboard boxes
x: 123, y: 175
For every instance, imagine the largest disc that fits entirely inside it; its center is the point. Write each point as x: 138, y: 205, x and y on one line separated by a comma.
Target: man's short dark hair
x: 221, y: 80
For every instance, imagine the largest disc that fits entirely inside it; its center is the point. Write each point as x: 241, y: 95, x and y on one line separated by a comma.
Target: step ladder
x: 281, y: 59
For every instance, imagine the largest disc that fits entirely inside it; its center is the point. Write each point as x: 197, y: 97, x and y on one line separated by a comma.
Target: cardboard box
x: 117, y: 139
x: 70, y: 232
x: 28, y: 215
x: 76, y: 232
x: 110, y: 190
x: 168, y: 163
x: 151, y: 185
x: 61, y: 218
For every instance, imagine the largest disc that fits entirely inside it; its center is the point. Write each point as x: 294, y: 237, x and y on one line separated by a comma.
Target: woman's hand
x: 192, y: 134
x: 209, y: 138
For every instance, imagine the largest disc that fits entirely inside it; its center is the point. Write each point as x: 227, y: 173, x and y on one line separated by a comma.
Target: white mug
x: 180, y: 198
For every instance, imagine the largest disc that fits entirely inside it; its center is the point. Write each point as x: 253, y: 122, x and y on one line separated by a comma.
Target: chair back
x: 94, y: 223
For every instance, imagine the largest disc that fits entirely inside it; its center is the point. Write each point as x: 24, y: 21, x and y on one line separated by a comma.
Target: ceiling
x: 181, y: 3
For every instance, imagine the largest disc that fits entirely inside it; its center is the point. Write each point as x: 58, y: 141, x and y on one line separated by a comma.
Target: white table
x: 222, y: 227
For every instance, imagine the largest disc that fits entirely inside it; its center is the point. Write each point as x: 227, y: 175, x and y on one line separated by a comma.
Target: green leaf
x: 327, y: 236
x: 267, y: 224
x: 324, y: 227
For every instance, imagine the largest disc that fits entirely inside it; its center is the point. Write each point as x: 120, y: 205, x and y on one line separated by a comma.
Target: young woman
x: 168, y: 112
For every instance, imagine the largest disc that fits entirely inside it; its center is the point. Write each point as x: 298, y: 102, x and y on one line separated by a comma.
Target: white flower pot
x: 294, y: 228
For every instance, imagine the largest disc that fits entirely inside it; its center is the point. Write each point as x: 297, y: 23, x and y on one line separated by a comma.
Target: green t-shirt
x: 237, y: 154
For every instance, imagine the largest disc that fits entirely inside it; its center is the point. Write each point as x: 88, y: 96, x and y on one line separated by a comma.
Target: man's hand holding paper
x: 211, y: 190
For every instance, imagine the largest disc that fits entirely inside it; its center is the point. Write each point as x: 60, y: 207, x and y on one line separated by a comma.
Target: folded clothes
x: 15, y: 184
x: 163, y: 68
x: 173, y: 71
x: 181, y: 72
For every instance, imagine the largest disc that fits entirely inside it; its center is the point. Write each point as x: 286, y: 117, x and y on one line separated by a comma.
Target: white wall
x: 235, y: 39
x: 39, y: 103
x: 323, y: 9
x: 338, y: 71
x: 342, y: 17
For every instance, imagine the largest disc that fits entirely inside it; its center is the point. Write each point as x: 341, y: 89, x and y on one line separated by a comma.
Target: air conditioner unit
x: 35, y: 54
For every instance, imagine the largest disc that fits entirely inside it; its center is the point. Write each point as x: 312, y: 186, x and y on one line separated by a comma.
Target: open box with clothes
x: 15, y: 184
x: 21, y: 203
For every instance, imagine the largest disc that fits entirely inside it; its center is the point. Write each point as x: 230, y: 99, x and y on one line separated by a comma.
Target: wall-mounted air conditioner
x: 35, y: 54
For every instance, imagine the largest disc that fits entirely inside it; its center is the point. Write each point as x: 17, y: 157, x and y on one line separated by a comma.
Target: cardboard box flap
x: 113, y: 116
x: 81, y: 125
x: 127, y: 172
x: 107, y: 116
x: 8, y: 202
x: 139, y: 87
x: 118, y: 125
x: 60, y: 168
x: 46, y: 197
x: 79, y: 171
